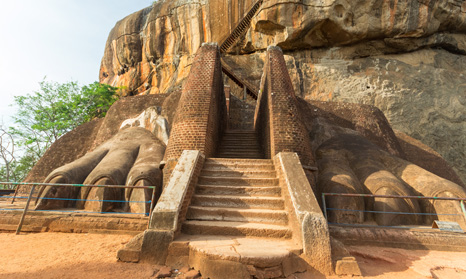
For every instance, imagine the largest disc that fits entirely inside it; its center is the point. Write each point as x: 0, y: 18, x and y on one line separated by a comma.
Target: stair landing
x: 258, y: 252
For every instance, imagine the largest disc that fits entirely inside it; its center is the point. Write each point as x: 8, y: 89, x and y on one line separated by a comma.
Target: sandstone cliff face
x: 406, y: 57
x: 151, y: 51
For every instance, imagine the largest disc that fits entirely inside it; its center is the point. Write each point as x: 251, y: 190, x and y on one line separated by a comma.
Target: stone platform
x: 71, y: 222
x: 422, y: 238
x: 244, y: 256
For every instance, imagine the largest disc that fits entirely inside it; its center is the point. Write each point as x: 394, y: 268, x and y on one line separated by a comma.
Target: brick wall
x: 278, y: 119
x: 201, y: 113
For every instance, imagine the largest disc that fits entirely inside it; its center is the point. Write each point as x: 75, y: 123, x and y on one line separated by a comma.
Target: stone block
x: 178, y: 255
x: 192, y: 274
x: 164, y: 271
x: 218, y: 269
x: 293, y: 264
x: 128, y: 255
x: 316, y: 242
x: 347, y: 266
x: 155, y: 245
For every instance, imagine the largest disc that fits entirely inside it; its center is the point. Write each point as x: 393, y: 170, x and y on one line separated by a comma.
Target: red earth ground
x: 62, y: 255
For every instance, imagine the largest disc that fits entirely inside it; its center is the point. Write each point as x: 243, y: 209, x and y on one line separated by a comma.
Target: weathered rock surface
x: 405, y: 57
x: 151, y: 51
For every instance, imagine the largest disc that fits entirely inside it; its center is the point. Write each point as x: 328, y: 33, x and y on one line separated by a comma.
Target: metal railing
x: 31, y: 196
x: 326, y: 209
x: 248, y: 13
x: 252, y: 90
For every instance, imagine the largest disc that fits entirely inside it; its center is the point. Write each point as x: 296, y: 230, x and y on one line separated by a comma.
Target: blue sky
x: 61, y: 39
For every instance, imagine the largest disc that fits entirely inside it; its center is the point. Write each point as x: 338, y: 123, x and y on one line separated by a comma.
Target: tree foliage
x: 45, y: 115
x: 55, y: 109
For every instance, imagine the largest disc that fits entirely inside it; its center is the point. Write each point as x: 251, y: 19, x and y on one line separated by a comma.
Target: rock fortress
x: 244, y: 115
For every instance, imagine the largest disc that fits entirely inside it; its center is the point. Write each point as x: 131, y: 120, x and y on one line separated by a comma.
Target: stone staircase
x: 238, y: 197
x: 237, y: 218
x: 240, y: 144
x: 238, y: 194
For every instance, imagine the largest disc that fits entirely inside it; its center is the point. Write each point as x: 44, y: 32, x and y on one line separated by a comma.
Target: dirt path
x: 60, y: 255
x: 381, y: 263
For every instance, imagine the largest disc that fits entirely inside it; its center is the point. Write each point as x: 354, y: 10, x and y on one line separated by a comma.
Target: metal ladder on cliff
x: 240, y: 28
x: 233, y: 37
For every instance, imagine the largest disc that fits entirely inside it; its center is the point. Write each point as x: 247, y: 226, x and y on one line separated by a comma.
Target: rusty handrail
x: 252, y: 89
x: 461, y: 200
x: 20, y: 225
x: 78, y: 185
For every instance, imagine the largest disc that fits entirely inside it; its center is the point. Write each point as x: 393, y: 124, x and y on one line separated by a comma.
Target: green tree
x: 95, y: 100
x: 55, y: 109
x: 44, y: 116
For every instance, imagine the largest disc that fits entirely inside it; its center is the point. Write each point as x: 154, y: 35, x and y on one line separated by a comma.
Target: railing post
x: 324, y: 205
x: 463, y: 209
x: 16, y: 192
x: 20, y: 225
x: 152, y: 201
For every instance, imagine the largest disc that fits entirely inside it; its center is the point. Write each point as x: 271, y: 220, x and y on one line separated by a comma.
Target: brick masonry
x: 277, y: 119
x: 201, y: 113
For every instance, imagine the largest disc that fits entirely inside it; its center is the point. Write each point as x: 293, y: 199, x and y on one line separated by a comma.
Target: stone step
x: 240, y: 144
x: 239, y: 131
x: 234, y: 150
x: 273, y: 191
x: 239, y: 161
x: 238, y: 181
x: 236, y: 228
x: 240, y: 155
x: 240, y: 147
x: 252, y: 167
x: 238, y: 201
x: 265, y: 216
x: 246, y: 155
x: 240, y: 173
x: 239, y: 138
x: 239, y: 135
x: 244, y: 250
x: 238, y: 164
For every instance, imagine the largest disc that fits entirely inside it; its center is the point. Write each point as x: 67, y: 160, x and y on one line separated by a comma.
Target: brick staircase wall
x: 201, y: 113
x: 277, y: 118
